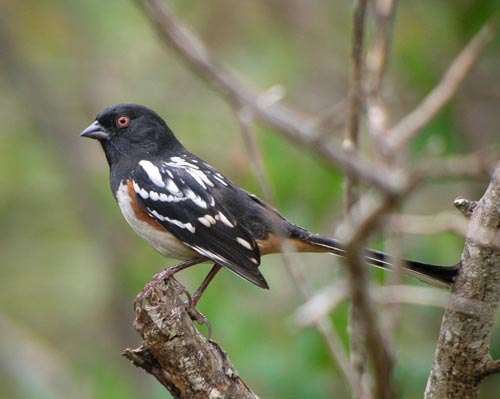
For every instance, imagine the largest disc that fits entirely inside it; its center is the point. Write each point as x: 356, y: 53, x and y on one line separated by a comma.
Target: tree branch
x: 295, y: 126
x: 177, y: 355
x: 326, y: 301
x: 399, y: 135
x: 462, y: 357
x: 356, y: 282
x: 377, y: 346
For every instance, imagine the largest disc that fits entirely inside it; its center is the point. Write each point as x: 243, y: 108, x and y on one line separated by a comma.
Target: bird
x: 187, y: 210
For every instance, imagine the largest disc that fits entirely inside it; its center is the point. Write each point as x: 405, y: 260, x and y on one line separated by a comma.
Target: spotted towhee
x: 189, y: 211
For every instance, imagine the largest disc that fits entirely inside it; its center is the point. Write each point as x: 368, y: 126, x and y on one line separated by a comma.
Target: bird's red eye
x: 123, y: 121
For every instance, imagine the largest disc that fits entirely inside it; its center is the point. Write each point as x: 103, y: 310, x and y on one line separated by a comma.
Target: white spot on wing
x: 154, y: 195
x: 211, y: 219
x: 220, y: 178
x: 194, y: 170
x: 204, y: 221
x: 172, y: 187
x: 243, y: 243
x: 153, y: 173
x: 225, y: 220
x: 207, y: 220
x: 195, y: 198
x: 176, y: 159
x: 137, y: 189
x: 188, y: 226
x: 198, y: 201
x: 156, y: 215
x: 197, y: 177
x: 143, y: 193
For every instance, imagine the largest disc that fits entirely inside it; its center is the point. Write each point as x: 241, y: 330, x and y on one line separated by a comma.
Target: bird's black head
x: 128, y: 130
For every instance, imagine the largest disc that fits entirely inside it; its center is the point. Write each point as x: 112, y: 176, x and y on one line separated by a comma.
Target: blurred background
x: 70, y: 267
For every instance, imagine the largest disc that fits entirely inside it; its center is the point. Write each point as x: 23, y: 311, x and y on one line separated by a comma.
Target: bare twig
x: 324, y: 302
x: 351, y: 140
x: 478, y: 163
x: 410, y: 125
x: 356, y: 84
x: 177, y: 355
x: 378, y: 122
x: 294, y: 125
x: 322, y: 324
x: 320, y: 304
x: 377, y: 57
x: 351, y: 195
x: 462, y: 357
x: 427, y: 224
x: 364, y: 218
x: 412, y: 295
x: 376, y: 345
x: 376, y: 62
x: 245, y: 118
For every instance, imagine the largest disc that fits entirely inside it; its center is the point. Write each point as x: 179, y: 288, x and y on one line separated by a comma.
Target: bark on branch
x: 189, y: 365
x: 462, y: 357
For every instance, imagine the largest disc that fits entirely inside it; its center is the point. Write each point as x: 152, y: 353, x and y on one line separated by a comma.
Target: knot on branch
x: 465, y: 206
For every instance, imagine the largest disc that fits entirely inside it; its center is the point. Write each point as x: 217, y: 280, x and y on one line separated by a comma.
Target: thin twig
x: 322, y: 325
x: 378, y: 55
x: 378, y: 121
x: 427, y: 224
x: 351, y: 195
x: 356, y: 83
x: 377, y: 346
x: 411, y: 124
x: 351, y: 140
x: 478, y: 163
x: 324, y: 302
x: 376, y: 62
x: 412, y: 295
x: 245, y: 118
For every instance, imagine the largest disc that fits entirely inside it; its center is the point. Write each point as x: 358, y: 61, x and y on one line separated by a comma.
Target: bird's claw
x: 200, y: 318
x: 190, y: 304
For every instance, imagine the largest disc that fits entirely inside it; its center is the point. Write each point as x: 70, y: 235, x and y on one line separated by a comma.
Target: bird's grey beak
x: 95, y: 131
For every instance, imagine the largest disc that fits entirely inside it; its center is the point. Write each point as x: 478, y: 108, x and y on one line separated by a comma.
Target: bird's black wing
x: 180, y: 194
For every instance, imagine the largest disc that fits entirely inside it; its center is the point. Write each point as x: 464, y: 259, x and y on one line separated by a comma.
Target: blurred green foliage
x: 70, y: 267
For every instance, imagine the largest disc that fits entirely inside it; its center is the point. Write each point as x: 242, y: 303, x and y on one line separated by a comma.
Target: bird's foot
x: 160, y: 277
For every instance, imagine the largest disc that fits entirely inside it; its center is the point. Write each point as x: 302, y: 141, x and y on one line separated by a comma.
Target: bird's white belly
x: 164, y: 242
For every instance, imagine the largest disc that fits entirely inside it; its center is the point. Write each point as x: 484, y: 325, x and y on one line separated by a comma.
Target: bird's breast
x: 147, y: 227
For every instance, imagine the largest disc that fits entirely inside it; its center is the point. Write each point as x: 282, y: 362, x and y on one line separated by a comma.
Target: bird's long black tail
x: 440, y: 276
